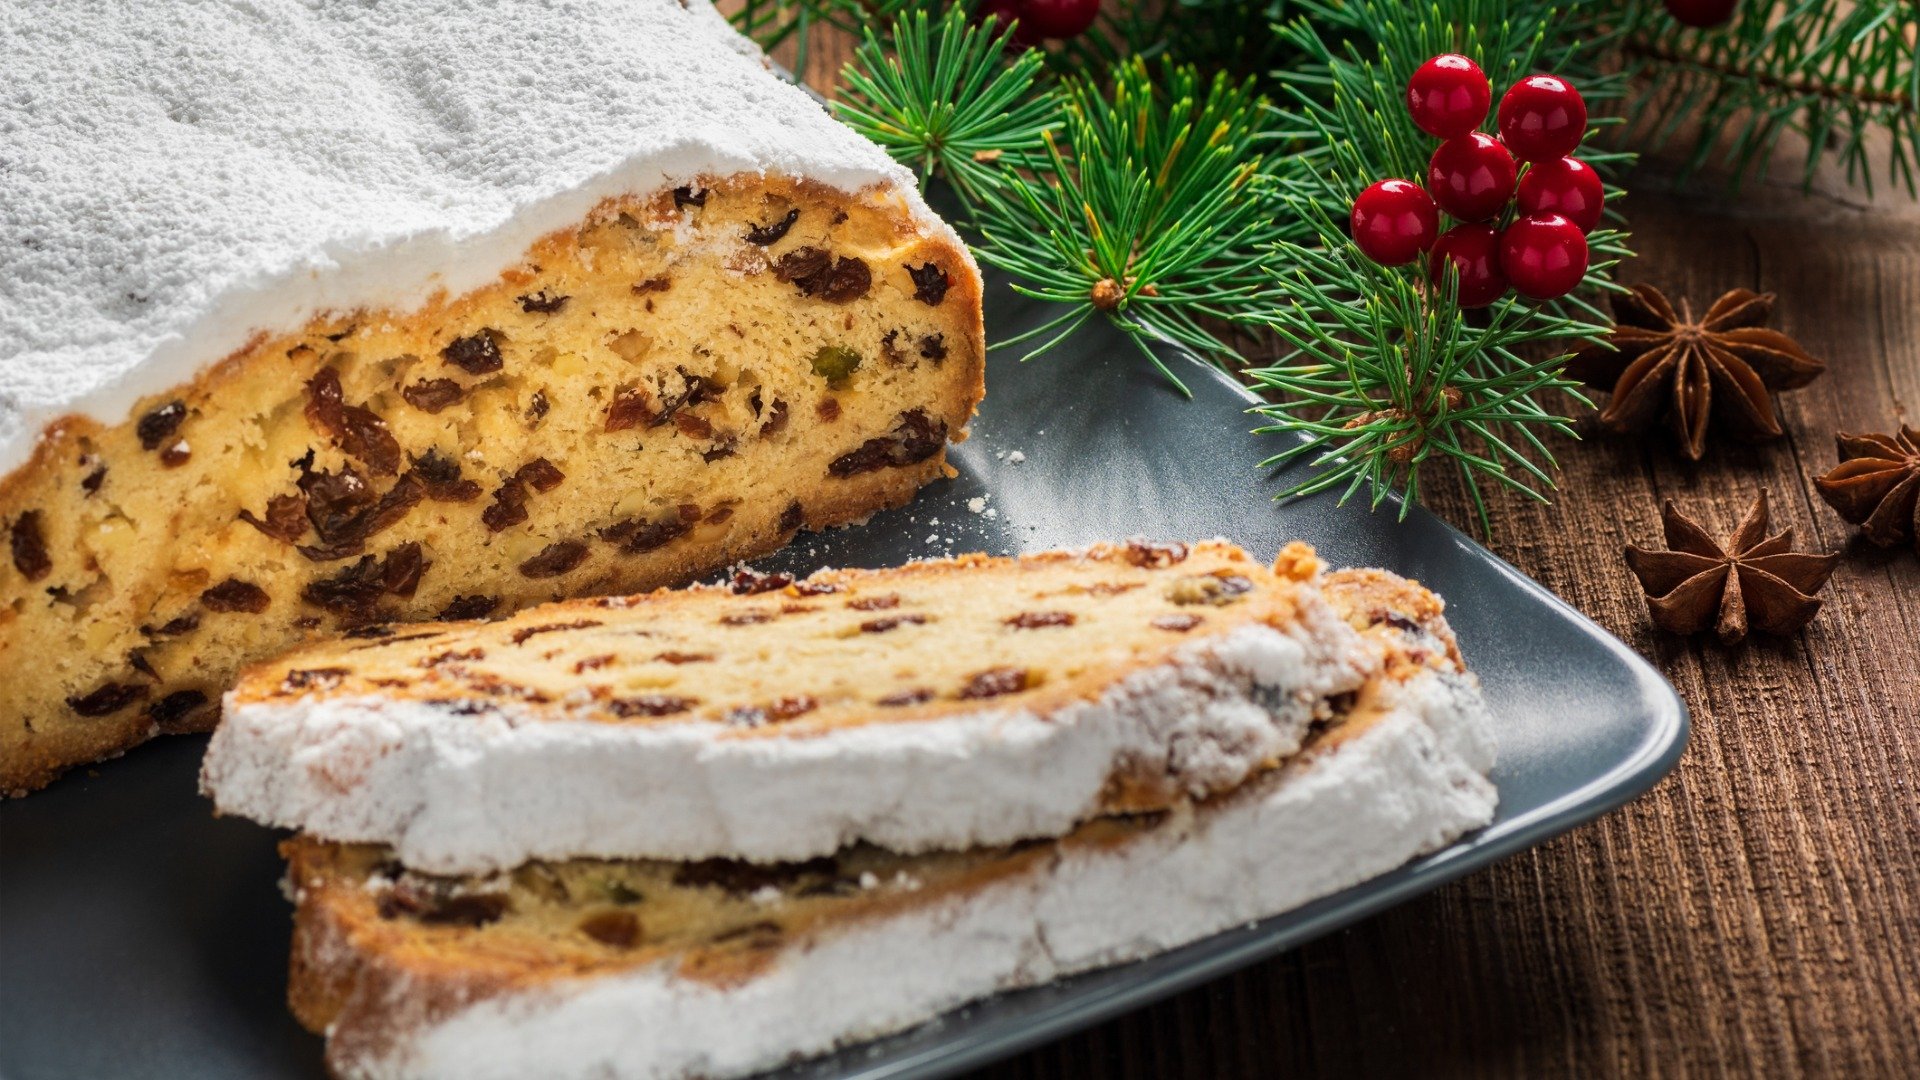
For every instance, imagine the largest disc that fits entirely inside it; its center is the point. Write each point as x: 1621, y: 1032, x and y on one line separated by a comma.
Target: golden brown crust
x: 140, y: 520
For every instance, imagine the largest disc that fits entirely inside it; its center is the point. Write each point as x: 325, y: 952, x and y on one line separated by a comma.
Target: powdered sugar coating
x: 182, y: 176
x: 1410, y: 783
x: 459, y: 793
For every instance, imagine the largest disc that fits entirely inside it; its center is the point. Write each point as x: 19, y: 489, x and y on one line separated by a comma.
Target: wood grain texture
x: 1758, y: 913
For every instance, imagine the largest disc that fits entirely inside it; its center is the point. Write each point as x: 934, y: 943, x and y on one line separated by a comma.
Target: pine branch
x: 1382, y: 372
x: 1151, y: 208
x: 938, y: 98
x: 1840, y: 73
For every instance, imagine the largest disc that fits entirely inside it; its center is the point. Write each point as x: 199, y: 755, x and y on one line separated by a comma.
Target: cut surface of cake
x: 348, y: 314
x: 941, y: 705
x: 629, y: 969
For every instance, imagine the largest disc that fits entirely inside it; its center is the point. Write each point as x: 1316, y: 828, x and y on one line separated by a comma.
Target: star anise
x: 1664, y: 365
x: 1754, y: 580
x: 1877, y: 485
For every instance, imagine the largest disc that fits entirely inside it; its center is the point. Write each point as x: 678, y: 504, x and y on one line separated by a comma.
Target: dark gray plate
x: 139, y: 937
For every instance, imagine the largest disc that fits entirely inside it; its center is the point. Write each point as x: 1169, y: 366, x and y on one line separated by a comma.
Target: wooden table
x: 1756, y: 914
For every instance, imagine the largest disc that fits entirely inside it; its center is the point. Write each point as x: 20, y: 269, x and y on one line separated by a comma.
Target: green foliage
x: 1382, y: 373
x: 938, y: 98
x: 1839, y: 73
x: 1151, y: 208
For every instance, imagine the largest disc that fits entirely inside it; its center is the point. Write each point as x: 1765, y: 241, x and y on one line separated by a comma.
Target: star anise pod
x: 1664, y: 365
x: 1877, y: 485
x: 1754, y: 580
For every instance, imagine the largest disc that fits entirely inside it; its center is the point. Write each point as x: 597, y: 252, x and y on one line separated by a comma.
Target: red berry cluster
x: 1038, y: 20
x: 1473, y: 177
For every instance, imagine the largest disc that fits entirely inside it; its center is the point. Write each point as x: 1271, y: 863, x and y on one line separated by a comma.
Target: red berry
x: 1701, y: 12
x: 1448, y: 96
x: 1565, y: 186
x: 1058, y: 18
x: 1394, y: 221
x: 1543, y: 117
x: 1471, y: 176
x: 1474, y: 251
x: 1008, y: 13
x: 1544, y: 255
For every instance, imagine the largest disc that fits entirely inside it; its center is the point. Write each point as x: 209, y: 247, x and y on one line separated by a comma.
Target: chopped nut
x: 1217, y: 590
x: 836, y: 364
x: 1179, y: 624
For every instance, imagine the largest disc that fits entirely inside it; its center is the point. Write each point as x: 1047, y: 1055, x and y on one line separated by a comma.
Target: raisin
x: 929, y: 283
x: 367, y: 437
x: 478, y: 354
x: 352, y: 592
x: 811, y: 587
x: 620, y: 929
x: 792, y: 517
x: 527, y: 633
x: 173, y: 627
x: 632, y: 406
x: 335, y: 500
x: 907, y: 697
x: 933, y: 347
x: 653, y: 285
x: 325, y: 402
x: 1179, y: 624
x: 914, y: 438
x: 891, y: 622
x: 875, y: 603
x: 402, y: 570
x: 828, y: 410
x: 784, y: 709
x: 175, y: 707
x: 537, y: 407
x: 693, y: 426
x: 776, y: 420
x: 463, y: 608
x: 593, y: 663
x: 176, y: 455
x: 745, y: 618
x: 836, y: 364
x: 432, y: 395
x: 542, y: 303
x: 720, y: 451
x: 634, y: 536
x: 93, y: 480
x: 1155, y: 556
x: 743, y: 878
x: 30, y: 547
x: 442, y: 659
x: 540, y: 473
x: 890, y: 348
x: 314, y: 678
x: 470, y: 909
x: 440, y: 476
x: 107, y: 699
x: 678, y: 658
x: 749, y: 582
x: 286, y: 519
x: 817, y: 273
x: 555, y: 559
x: 763, y: 235
x: 509, y: 506
x: 994, y: 682
x: 649, y: 705
x: 374, y: 632
x: 694, y: 390
x: 1035, y: 620
x: 159, y: 425
x: 344, y: 534
x: 687, y: 196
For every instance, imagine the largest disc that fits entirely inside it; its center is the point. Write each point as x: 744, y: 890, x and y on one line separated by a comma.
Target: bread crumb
x: 977, y: 504
x: 1016, y: 457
